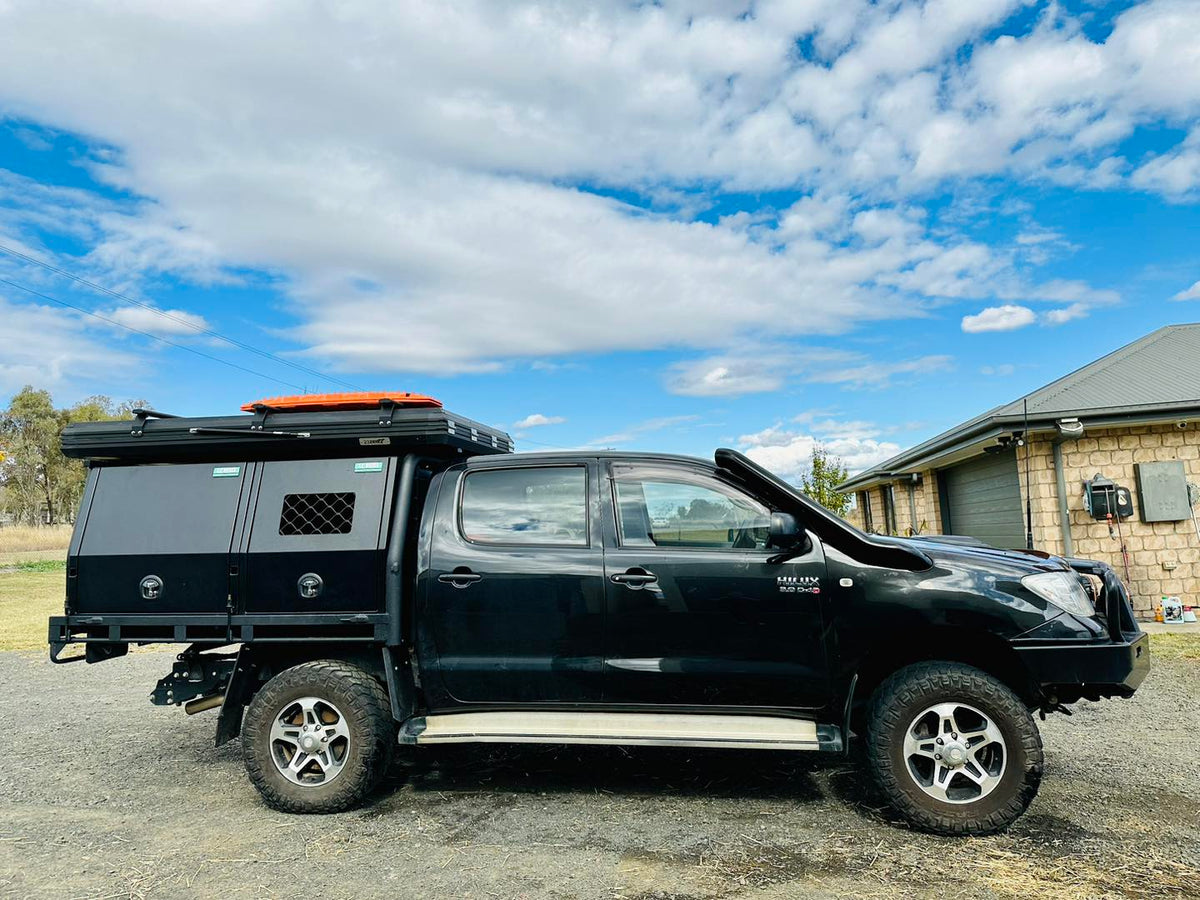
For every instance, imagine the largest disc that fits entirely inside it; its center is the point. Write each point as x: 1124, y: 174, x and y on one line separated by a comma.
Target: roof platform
x: 289, y: 428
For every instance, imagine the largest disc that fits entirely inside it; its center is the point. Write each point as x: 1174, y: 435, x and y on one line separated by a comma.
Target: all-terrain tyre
x: 318, y: 737
x: 953, y: 749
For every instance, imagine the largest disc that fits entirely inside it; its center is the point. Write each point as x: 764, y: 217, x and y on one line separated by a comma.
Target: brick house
x: 1139, y: 405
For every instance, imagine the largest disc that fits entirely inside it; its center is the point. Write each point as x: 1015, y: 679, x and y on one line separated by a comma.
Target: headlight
x: 1063, y: 590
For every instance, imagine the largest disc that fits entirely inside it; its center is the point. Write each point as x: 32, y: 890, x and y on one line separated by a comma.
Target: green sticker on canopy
x: 373, y: 466
x: 226, y: 471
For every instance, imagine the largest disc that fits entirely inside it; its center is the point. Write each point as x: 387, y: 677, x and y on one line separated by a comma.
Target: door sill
x: 622, y: 728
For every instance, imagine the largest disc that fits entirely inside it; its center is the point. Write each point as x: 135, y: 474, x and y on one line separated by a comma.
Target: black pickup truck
x: 354, y: 574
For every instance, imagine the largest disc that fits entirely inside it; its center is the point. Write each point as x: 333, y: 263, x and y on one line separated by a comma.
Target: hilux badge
x: 798, y: 584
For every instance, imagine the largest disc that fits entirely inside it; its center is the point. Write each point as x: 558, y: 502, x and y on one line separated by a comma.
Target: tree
x: 39, y: 483
x: 29, y: 430
x: 820, y: 483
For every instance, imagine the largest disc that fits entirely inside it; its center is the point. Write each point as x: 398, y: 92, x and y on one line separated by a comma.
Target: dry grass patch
x: 19, y: 543
x: 1140, y: 872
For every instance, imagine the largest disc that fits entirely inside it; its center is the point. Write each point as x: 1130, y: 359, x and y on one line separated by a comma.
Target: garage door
x: 983, y: 499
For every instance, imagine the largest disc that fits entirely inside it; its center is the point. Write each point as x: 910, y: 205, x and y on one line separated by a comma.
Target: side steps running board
x: 644, y: 729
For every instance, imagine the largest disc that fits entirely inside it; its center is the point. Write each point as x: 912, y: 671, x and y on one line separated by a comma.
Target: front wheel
x: 318, y: 737
x: 953, y: 749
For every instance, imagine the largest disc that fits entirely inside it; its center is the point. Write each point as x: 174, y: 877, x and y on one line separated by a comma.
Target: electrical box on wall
x: 1163, y: 491
x: 1103, y: 497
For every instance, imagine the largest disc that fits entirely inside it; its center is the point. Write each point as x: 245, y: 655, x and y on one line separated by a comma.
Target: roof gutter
x: 995, y: 427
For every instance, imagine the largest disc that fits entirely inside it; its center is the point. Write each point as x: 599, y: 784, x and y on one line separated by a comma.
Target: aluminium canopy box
x: 260, y: 517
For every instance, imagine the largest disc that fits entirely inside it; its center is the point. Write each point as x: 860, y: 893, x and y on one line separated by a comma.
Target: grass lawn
x: 1175, y: 646
x: 30, y: 593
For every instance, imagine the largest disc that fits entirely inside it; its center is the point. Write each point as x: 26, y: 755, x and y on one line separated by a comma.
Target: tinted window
x: 658, y: 512
x: 526, y: 506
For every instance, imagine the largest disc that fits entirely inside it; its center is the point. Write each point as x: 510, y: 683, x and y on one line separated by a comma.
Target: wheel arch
x: 258, y: 663
x: 974, y: 647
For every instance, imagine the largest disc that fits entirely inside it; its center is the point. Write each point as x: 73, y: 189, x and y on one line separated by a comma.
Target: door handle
x: 459, y: 579
x: 634, y: 578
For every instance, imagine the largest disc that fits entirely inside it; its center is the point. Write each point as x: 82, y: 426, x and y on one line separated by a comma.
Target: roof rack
x: 311, y: 426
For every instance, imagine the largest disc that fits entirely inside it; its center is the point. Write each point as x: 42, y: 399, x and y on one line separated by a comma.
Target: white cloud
x: 788, y: 453
x: 1192, y: 293
x: 1066, y: 314
x: 165, y: 322
x: 631, y: 434
x: 429, y: 151
x: 999, y: 318
x: 730, y: 375
x: 759, y: 368
x: 881, y: 374
x: 1002, y: 370
x: 49, y: 348
x: 537, y: 420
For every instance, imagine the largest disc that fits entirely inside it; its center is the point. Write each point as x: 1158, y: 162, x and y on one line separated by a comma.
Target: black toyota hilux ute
x: 351, y: 574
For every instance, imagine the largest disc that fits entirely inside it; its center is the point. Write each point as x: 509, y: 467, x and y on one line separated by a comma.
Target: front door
x: 515, y: 585
x: 697, y: 615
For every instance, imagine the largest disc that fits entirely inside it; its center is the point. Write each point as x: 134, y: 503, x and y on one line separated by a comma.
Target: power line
x: 155, y: 337
x: 178, y: 319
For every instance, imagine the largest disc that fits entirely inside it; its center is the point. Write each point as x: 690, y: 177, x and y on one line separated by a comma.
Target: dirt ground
x: 104, y: 795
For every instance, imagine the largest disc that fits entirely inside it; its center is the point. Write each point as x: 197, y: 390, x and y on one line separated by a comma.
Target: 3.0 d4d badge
x: 798, y: 584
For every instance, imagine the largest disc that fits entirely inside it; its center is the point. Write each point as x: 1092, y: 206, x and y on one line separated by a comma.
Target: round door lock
x: 310, y: 586
x: 151, y: 587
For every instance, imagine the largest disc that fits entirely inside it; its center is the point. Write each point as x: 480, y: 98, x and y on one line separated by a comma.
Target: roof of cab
x: 558, y: 456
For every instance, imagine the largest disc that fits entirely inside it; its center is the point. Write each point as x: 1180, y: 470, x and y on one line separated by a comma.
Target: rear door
x: 696, y: 614
x: 514, y: 588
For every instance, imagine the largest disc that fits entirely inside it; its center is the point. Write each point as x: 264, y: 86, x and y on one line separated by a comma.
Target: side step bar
x: 634, y: 729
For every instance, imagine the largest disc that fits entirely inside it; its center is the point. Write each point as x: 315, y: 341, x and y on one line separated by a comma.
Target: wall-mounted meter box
x: 1103, y: 497
x: 1163, y: 491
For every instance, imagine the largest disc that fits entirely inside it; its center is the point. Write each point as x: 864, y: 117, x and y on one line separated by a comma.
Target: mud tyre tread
x: 902, y: 696
x: 363, y: 702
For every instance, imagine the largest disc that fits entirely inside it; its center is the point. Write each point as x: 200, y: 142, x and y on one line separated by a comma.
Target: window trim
x: 703, y: 477
x: 507, y: 545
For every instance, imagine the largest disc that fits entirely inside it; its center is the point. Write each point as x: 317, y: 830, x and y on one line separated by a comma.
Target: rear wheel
x: 318, y: 737
x: 953, y: 749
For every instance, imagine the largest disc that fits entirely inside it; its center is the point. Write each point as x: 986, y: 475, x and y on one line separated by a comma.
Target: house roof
x: 1155, y: 377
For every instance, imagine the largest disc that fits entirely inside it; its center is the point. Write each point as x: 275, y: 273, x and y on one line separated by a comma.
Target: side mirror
x: 785, y: 532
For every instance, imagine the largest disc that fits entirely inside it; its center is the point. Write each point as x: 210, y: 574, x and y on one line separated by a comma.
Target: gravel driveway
x: 103, y: 795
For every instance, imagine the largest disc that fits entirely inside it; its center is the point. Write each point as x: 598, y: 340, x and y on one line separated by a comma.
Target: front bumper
x: 1069, y: 671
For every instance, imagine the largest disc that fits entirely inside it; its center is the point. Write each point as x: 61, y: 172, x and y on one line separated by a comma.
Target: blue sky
x: 659, y: 226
